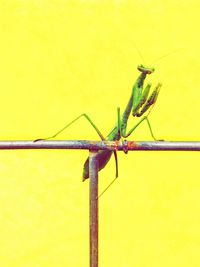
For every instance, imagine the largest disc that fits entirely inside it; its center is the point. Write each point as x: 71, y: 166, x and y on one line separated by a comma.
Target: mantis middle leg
x: 122, y: 129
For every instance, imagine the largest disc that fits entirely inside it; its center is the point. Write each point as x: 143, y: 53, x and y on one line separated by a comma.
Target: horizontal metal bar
x: 103, y: 145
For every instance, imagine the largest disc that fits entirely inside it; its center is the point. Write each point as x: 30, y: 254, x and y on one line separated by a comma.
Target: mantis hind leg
x: 116, y: 176
x: 82, y: 115
x: 93, y: 125
x: 116, y: 164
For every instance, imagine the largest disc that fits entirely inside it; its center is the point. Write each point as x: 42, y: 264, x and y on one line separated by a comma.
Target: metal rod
x: 103, y: 145
x: 93, y: 147
x: 93, y: 171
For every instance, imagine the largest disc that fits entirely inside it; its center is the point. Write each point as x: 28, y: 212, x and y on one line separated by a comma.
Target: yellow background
x: 59, y: 59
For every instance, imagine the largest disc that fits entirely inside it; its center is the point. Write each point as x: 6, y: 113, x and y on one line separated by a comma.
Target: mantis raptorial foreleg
x: 139, y: 109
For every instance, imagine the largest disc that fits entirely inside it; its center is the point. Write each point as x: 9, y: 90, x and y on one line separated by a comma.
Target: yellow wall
x: 61, y: 58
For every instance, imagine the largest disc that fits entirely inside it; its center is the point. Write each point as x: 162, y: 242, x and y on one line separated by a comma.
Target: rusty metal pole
x: 93, y: 172
x: 103, y: 145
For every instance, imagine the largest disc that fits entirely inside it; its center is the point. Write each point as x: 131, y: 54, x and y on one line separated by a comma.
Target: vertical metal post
x: 93, y: 171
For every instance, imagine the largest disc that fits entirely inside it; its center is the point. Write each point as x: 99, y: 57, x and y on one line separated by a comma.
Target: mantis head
x: 146, y: 70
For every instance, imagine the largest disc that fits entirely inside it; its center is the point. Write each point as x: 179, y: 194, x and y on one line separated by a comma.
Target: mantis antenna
x: 166, y: 55
x: 140, y: 54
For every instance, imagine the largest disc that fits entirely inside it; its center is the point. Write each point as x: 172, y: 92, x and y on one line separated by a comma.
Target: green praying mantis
x: 140, y: 103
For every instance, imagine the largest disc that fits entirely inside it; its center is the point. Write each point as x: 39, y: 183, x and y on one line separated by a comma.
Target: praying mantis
x: 140, y: 103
